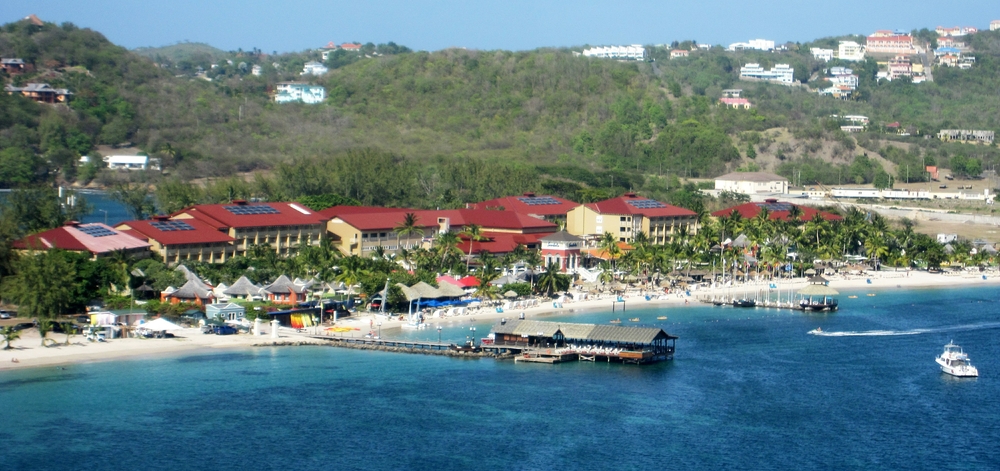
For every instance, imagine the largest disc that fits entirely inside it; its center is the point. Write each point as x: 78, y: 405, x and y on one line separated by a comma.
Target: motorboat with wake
x: 955, y: 362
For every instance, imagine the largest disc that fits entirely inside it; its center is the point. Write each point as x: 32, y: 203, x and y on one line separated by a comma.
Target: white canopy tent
x: 160, y: 325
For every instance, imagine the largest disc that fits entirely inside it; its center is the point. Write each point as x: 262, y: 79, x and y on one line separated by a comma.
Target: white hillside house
x: 751, y: 183
x: 633, y: 52
x: 298, y: 92
x: 780, y: 73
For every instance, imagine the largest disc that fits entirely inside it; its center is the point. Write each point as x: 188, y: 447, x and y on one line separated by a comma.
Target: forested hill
x: 457, y: 125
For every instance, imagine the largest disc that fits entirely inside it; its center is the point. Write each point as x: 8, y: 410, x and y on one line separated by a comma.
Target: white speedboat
x: 956, y: 362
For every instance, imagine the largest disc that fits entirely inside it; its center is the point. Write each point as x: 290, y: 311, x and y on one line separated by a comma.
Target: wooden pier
x: 392, y: 344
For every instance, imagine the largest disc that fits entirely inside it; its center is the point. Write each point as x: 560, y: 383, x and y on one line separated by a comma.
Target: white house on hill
x: 298, y: 92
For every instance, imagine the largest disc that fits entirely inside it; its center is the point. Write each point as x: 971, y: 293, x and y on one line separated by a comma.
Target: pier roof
x: 583, y: 332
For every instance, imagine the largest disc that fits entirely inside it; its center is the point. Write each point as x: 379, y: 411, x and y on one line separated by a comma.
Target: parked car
x: 7, y: 314
x: 224, y: 330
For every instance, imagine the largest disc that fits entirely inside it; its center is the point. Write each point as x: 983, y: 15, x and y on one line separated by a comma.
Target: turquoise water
x: 749, y: 388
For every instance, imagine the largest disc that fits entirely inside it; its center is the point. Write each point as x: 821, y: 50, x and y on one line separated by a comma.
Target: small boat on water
x: 853, y: 297
x: 744, y: 303
x: 661, y: 318
x: 956, y: 362
x: 633, y: 319
x: 816, y: 331
x: 616, y: 321
x: 871, y: 294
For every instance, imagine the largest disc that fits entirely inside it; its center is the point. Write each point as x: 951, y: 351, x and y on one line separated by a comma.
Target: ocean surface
x: 749, y: 388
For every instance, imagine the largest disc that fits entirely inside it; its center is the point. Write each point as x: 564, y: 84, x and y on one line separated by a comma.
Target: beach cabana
x: 244, y: 289
x: 193, y: 291
x: 818, y: 297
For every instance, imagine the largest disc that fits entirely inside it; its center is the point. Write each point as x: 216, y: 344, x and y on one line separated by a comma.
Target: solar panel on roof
x: 96, y: 231
x: 168, y: 226
x: 538, y: 200
x: 248, y: 210
x: 646, y: 204
x: 776, y: 206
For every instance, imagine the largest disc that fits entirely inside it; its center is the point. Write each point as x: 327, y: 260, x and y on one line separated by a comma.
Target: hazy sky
x: 293, y: 25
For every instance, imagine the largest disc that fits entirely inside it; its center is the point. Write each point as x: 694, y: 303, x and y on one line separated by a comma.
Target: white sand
x: 29, y: 353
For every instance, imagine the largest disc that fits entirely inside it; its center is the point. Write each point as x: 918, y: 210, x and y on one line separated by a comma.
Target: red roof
x: 734, y: 101
x: 221, y: 216
x: 488, y: 219
x: 778, y: 210
x: 500, y: 242
x: 336, y: 211
x: 95, y: 238
x: 467, y: 282
x: 900, y: 39
x: 529, y: 203
x: 350, y: 46
x: 629, y: 203
x: 200, y: 232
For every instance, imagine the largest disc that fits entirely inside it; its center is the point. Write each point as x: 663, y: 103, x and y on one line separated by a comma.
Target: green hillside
x: 198, y: 54
x: 454, y: 126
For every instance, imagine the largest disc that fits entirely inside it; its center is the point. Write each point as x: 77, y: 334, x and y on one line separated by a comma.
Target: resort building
x: 900, y: 66
x: 131, y: 162
x: 968, y: 136
x: 678, y: 53
x: 957, y: 31
x: 563, y: 249
x: 244, y: 289
x: 176, y: 241
x: 314, y: 68
x: 736, y: 103
x: 776, y: 211
x: 753, y: 44
x: 627, y: 215
x: 781, y: 73
x: 885, y: 42
x: 948, y: 41
x: 633, y: 52
x: 299, y: 92
x: 257, y: 70
x: 995, y: 25
x: 850, y: 51
x: 96, y: 239
x: 944, y: 51
x: 40, y: 92
x: 843, y: 76
x: 549, y: 208
x: 821, y: 54
x: 359, y: 230
x: 283, y: 226
x: 751, y: 183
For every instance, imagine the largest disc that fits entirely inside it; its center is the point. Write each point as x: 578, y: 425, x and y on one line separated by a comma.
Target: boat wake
x: 889, y: 333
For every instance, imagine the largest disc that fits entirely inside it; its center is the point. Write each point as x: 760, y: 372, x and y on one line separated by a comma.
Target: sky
x: 296, y: 25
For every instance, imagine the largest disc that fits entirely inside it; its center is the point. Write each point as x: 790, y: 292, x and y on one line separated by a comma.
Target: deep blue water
x: 747, y: 389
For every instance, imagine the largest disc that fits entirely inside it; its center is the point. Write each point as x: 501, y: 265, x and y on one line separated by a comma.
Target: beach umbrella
x: 510, y: 294
x: 810, y: 272
x: 818, y: 290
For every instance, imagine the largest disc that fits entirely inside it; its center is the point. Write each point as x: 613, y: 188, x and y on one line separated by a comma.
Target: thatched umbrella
x: 510, y: 294
x: 810, y: 272
x: 818, y: 280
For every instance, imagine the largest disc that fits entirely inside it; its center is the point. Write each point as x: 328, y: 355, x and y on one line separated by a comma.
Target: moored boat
x: 744, y: 303
x: 955, y: 362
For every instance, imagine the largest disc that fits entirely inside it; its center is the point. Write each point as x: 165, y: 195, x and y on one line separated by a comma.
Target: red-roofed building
x: 889, y: 44
x: 285, y: 226
x: 179, y: 240
x: 351, y: 47
x: 626, y: 216
x: 97, y: 239
x: 776, y: 210
x: 357, y: 232
x: 549, y: 208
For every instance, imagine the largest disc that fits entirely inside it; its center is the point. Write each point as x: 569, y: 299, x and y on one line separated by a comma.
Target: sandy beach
x: 28, y: 352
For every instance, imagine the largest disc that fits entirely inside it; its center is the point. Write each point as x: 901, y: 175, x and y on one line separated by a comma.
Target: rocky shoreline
x: 384, y: 348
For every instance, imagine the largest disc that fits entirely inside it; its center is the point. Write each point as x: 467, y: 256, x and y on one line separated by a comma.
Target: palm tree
x: 446, y: 243
x: 407, y: 228
x: 552, y: 281
x: 609, y: 245
x: 475, y: 234
x: 352, y: 269
x: 9, y: 335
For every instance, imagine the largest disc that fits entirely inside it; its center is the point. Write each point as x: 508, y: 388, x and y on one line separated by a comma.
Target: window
x: 623, y: 218
x: 382, y: 235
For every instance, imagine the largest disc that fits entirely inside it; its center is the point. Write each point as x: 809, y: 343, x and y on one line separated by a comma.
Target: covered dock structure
x: 554, y: 342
